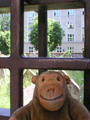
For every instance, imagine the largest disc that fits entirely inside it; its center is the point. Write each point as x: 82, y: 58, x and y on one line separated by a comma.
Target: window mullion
x: 87, y: 55
x: 42, y: 32
x: 17, y: 12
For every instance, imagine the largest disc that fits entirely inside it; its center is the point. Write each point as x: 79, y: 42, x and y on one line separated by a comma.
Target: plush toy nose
x: 50, y: 92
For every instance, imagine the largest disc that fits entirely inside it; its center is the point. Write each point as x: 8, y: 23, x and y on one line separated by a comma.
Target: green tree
x: 5, y: 34
x: 55, y: 34
x: 5, y: 22
x: 5, y: 42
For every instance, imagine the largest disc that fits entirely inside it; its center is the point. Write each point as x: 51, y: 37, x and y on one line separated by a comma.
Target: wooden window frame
x: 17, y: 62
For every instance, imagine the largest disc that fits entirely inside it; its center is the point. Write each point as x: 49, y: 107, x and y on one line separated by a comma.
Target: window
x: 83, y: 37
x: 56, y: 12
x: 70, y: 24
x: 59, y: 49
x: 82, y: 23
x: 71, y: 49
x: 70, y: 37
x: 70, y: 12
x: 30, y: 49
x: 31, y: 14
x: 83, y: 11
x: 58, y: 22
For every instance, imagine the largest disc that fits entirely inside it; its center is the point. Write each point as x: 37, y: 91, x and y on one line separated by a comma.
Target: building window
x: 82, y: 23
x: 70, y: 12
x: 58, y: 22
x: 71, y: 49
x: 83, y: 37
x: 31, y: 14
x: 70, y: 24
x: 56, y: 12
x: 70, y: 37
x: 83, y: 11
x: 30, y: 49
x: 59, y: 49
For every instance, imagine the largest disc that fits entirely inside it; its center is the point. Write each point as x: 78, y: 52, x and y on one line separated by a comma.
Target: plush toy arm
x: 21, y: 114
x: 78, y: 111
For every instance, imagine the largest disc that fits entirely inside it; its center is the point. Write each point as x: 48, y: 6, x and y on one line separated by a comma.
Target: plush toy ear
x: 67, y: 79
x: 34, y: 79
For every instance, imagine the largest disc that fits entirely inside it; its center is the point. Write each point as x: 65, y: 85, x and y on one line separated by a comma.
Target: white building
x: 72, y: 22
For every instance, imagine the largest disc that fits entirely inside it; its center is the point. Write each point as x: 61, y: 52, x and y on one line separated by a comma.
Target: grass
x: 5, y: 89
x: 27, y: 76
x: 78, y: 76
x: 4, y: 97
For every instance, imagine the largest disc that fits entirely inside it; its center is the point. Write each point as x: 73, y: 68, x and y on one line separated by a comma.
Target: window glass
x: 59, y: 49
x: 75, y: 86
x: 58, y: 22
x: 83, y: 11
x: 82, y: 23
x: 70, y: 12
x: 30, y: 34
x: 63, y: 31
x: 70, y: 24
x: 5, y: 35
x: 72, y: 41
x: 83, y: 37
x: 31, y: 14
x: 30, y: 49
x: 71, y: 49
x: 28, y: 86
x: 70, y: 37
x: 56, y: 12
x: 4, y: 88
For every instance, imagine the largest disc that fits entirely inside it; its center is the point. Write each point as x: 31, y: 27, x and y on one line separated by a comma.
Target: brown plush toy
x: 52, y: 101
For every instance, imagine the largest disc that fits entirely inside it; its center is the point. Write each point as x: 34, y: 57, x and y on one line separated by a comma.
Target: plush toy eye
x: 43, y: 80
x: 58, y: 79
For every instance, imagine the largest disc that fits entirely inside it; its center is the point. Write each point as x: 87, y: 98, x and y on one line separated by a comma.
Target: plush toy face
x: 51, y: 90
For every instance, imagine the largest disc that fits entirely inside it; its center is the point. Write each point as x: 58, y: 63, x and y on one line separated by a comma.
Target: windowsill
x: 70, y: 28
x: 4, y: 112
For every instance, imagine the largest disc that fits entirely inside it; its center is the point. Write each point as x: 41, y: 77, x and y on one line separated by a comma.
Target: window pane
x: 72, y: 41
x: 5, y: 35
x: 28, y: 85
x: 4, y: 88
x: 30, y: 49
x: 30, y: 34
x: 75, y: 86
x: 72, y: 36
x: 70, y: 24
x: 59, y: 49
x: 31, y: 14
x: 56, y: 12
x: 71, y: 12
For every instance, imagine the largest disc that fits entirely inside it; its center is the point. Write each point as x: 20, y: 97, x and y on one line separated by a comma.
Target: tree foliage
x: 5, y: 34
x: 55, y: 34
x: 5, y: 42
x: 5, y: 22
